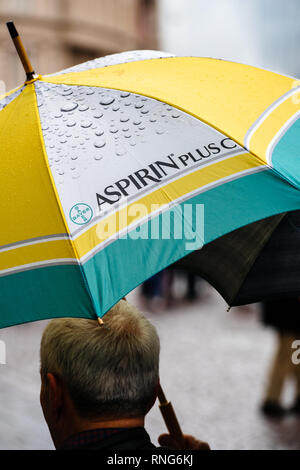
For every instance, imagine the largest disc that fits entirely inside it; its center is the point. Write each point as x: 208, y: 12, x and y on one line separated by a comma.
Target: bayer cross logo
x: 81, y: 214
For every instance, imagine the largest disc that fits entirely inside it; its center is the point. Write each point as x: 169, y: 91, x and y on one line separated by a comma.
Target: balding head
x: 109, y: 371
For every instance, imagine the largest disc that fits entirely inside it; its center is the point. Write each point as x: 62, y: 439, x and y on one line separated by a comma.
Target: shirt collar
x: 84, y: 438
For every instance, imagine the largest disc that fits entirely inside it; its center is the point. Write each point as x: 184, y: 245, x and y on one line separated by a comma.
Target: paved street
x: 213, y: 365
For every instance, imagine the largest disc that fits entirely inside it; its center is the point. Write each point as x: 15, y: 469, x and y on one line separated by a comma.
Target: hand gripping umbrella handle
x: 169, y: 416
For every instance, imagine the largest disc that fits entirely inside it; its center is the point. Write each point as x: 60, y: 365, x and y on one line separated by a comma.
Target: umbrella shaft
x: 169, y: 416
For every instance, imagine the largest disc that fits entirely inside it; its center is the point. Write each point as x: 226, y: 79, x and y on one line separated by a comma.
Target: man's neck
x: 78, y: 425
x: 111, y: 423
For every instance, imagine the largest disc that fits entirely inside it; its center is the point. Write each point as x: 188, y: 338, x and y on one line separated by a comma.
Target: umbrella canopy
x: 94, y: 159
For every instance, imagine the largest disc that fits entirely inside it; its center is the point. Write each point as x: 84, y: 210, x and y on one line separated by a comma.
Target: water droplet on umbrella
x: 61, y: 172
x: 138, y: 105
x: 75, y: 175
x: 69, y: 107
x: 99, y: 143
x: 58, y: 115
x: 160, y: 131
x: 74, y: 157
x: 86, y: 124
x: 99, y: 132
x: 175, y: 115
x: 120, y: 151
x: 145, y: 111
x: 83, y: 108
x: 125, y: 129
x: 124, y: 94
x: 141, y: 128
x: 115, y: 107
x: 107, y: 100
x: 98, y: 115
x: 113, y: 130
x: 152, y: 120
x: 90, y: 92
x: 127, y: 136
x: 67, y: 92
x: 98, y: 157
x: 124, y: 119
x: 137, y: 122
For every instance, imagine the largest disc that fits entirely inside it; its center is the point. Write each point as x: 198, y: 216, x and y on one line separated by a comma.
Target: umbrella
x: 119, y: 167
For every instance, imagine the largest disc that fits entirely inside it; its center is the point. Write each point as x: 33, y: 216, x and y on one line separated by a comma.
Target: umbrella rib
x: 44, y: 151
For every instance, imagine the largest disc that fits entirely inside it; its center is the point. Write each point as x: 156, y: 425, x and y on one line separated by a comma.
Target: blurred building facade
x: 263, y: 33
x: 61, y: 33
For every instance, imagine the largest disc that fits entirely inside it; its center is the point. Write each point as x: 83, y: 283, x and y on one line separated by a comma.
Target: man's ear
x: 55, y: 394
x: 153, y: 399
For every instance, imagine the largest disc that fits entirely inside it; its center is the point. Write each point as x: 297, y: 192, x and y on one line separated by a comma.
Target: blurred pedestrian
x: 284, y: 316
x: 153, y: 292
x: 191, y: 293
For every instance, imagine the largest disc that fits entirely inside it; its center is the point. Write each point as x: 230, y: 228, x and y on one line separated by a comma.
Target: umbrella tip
x: 21, y: 50
x: 12, y: 29
x: 101, y: 323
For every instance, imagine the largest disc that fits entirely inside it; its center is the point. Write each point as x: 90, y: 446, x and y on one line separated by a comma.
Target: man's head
x: 93, y: 374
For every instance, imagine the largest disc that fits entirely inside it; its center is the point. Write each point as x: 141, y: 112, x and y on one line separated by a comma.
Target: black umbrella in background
x: 257, y: 262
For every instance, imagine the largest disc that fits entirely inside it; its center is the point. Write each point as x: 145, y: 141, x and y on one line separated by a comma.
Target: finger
x: 166, y: 440
x: 191, y: 443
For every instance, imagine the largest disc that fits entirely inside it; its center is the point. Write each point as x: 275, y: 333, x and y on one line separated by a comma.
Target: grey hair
x: 109, y: 371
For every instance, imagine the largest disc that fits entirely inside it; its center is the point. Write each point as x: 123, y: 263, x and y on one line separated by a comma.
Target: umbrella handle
x: 169, y: 416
